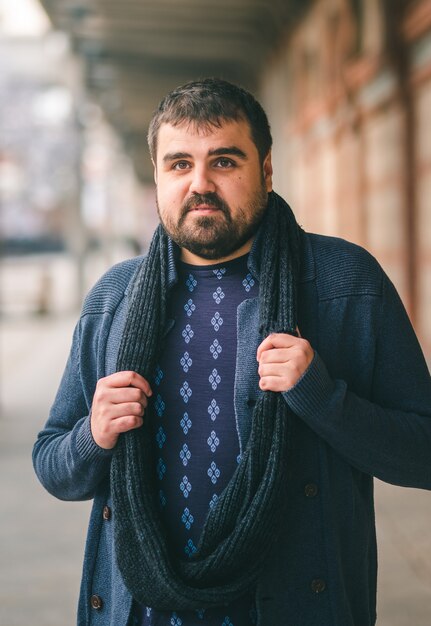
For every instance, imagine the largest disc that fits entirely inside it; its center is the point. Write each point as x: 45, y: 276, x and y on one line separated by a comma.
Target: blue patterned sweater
x: 195, y: 432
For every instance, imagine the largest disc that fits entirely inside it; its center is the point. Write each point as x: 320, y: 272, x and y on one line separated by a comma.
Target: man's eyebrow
x: 230, y: 150
x: 172, y: 156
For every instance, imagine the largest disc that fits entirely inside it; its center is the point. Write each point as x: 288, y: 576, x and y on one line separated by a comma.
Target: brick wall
x: 418, y: 34
x: 349, y: 99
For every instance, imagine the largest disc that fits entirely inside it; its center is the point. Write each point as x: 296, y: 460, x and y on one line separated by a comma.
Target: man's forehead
x: 229, y: 132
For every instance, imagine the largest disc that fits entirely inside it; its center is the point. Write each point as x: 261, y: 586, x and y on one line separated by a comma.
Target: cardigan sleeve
x: 67, y: 461
x: 387, y: 434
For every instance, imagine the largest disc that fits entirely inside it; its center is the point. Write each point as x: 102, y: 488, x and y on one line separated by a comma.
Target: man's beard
x: 215, y: 237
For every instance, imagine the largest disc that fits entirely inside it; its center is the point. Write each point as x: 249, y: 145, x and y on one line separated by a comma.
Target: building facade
x: 349, y: 96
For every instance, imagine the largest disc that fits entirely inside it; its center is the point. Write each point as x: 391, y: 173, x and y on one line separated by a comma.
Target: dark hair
x: 207, y: 103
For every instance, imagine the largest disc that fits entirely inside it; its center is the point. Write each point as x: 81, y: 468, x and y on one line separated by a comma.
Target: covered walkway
x: 42, y: 539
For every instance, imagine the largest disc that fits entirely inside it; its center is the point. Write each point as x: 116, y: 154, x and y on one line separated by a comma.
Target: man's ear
x: 154, y: 171
x: 267, y: 172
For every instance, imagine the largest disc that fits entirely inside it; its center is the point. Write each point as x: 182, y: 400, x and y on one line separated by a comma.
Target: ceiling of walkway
x: 135, y: 51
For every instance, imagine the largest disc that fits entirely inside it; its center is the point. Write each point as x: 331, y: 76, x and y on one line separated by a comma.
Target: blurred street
x: 42, y: 540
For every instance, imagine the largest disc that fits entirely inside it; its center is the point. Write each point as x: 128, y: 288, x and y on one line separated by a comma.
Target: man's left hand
x: 283, y: 359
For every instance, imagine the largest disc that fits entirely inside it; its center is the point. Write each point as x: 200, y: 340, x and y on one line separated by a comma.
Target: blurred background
x: 347, y: 88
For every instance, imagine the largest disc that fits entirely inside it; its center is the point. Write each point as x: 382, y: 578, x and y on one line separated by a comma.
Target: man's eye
x: 224, y: 163
x: 180, y: 165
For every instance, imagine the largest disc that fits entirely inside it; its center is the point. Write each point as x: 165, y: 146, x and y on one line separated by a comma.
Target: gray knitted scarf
x: 240, y: 529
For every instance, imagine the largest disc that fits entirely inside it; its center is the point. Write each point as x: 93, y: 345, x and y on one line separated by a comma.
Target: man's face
x: 212, y: 189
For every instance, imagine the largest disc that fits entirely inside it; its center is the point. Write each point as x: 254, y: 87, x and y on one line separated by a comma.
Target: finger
x: 109, y: 412
x: 275, y: 383
x: 107, y: 397
x: 127, y: 379
x: 127, y: 422
x: 273, y: 369
x: 276, y: 340
x: 141, y: 383
x: 126, y: 394
x: 276, y: 355
x: 130, y: 408
x: 289, y: 373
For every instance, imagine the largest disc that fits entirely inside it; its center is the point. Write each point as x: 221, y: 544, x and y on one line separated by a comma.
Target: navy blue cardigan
x: 363, y: 409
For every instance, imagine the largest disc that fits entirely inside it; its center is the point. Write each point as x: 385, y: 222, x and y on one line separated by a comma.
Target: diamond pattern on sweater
x: 217, y: 321
x: 213, y: 501
x: 187, y: 518
x: 191, y: 282
x: 220, y: 272
x: 185, y: 486
x: 248, y: 282
x: 190, y: 548
x: 162, y: 498
x: 189, y: 307
x: 213, y: 473
x: 185, y: 391
x: 161, y: 469
x: 159, y: 405
x: 185, y: 454
x: 186, y: 362
x: 186, y: 423
x: 215, y: 379
x: 188, y: 333
x: 218, y: 295
x: 161, y: 437
x: 159, y: 376
x: 213, y: 410
x: 215, y: 349
x: 213, y: 441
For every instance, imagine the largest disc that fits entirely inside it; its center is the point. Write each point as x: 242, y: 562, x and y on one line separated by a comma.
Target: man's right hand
x: 119, y: 403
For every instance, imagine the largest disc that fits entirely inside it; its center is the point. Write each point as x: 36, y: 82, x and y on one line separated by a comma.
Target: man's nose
x: 202, y: 182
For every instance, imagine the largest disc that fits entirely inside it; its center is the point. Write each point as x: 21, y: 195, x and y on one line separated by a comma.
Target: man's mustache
x: 209, y: 199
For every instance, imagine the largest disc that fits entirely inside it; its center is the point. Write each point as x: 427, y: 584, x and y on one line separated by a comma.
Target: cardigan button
x: 318, y: 585
x: 107, y: 513
x: 311, y: 490
x: 96, y: 602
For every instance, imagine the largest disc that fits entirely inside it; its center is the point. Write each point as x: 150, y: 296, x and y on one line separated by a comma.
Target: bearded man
x: 229, y: 397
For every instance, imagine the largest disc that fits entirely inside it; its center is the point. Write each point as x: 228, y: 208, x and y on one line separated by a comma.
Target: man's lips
x: 205, y: 207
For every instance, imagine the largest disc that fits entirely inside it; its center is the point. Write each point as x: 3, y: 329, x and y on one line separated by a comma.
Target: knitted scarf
x: 241, y: 527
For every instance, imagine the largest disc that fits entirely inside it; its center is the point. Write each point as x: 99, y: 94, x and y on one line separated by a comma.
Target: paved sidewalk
x: 42, y: 539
